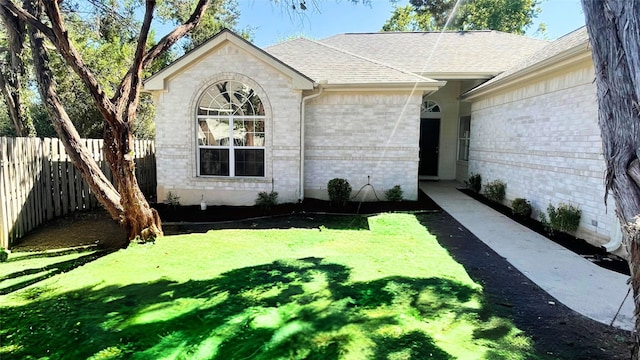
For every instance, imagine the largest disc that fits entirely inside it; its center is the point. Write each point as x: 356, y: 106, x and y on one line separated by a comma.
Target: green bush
x: 495, y: 190
x: 474, y: 183
x: 565, y: 218
x: 394, y: 194
x: 266, y: 200
x: 4, y: 255
x: 172, y: 199
x: 339, y: 191
x: 521, y: 207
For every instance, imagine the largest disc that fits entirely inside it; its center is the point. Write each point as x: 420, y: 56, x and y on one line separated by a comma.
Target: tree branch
x: 127, y: 93
x: 8, y: 5
x: 68, y: 51
x: 171, y: 38
x: 59, y: 37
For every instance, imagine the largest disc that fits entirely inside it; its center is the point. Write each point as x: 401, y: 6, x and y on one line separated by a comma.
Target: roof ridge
x: 416, y: 32
x: 435, y: 33
x: 407, y: 72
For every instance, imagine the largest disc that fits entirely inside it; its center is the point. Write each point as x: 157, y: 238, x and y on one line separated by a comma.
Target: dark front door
x: 429, y: 147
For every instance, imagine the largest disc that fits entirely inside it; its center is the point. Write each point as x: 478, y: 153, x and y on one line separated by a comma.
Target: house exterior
x: 384, y: 109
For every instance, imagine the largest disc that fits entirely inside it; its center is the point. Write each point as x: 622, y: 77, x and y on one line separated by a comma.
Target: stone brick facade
x: 541, y: 137
x: 176, y: 131
x: 363, y: 137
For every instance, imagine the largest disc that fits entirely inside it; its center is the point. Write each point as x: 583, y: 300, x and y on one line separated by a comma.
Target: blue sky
x: 273, y: 23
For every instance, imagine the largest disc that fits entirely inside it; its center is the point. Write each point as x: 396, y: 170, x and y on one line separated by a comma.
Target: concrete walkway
x: 576, y: 282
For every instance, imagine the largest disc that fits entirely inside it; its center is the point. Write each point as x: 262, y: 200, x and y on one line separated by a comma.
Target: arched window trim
x: 430, y: 107
x: 230, y: 131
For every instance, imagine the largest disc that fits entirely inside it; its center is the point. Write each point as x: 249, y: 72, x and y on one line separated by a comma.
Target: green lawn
x: 386, y: 291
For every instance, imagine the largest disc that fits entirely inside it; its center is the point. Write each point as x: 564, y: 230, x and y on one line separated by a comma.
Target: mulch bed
x: 193, y: 214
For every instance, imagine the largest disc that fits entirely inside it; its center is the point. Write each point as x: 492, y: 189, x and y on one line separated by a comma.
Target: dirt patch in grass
x: 79, y: 229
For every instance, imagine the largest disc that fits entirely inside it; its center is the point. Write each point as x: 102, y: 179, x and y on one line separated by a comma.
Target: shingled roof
x: 445, y: 53
x: 571, y: 47
x: 323, y: 62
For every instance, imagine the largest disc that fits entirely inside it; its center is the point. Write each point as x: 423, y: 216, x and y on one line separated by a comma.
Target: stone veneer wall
x: 354, y: 135
x: 176, y: 133
x: 543, y: 140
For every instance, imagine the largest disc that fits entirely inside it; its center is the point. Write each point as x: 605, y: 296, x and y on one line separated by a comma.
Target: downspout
x: 302, y: 126
x: 615, y: 237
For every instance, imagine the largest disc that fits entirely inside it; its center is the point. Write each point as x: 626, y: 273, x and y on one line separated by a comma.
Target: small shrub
x: 266, y: 200
x: 495, y: 190
x: 521, y: 207
x: 339, y: 191
x: 172, y: 199
x: 565, y: 218
x: 394, y: 194
x: 474, y: 183
x: 4, y: 255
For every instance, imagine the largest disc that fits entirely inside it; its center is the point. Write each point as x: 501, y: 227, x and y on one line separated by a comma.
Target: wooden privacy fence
x: 38, y: 182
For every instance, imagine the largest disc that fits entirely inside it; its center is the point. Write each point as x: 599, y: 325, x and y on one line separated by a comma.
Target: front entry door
x: 429, y: 147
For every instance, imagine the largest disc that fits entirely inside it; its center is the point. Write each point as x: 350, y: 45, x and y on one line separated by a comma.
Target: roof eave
x: 157, y: 82
x: 571, y: 56
x: 460, y: 75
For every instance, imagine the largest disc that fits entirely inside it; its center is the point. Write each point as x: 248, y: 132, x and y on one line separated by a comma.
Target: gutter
x: 302, y: 126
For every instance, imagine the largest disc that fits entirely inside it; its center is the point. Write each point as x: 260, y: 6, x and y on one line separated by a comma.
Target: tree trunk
x: 80, y: 156
x: 138, y: 219
x: 12, y: 73
x: 614, y: 32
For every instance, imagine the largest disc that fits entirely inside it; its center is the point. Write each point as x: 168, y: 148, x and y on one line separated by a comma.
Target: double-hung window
x: 231, y: 131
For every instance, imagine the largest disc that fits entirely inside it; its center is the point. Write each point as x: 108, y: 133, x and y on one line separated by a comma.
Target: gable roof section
x: 157, y: 81
x: 336, y: 68
x: 442, y: 55
x: 566, y: 50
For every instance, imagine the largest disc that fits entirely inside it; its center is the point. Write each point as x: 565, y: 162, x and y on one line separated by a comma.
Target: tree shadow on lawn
x: 304, y: 308
x: 36, y: 274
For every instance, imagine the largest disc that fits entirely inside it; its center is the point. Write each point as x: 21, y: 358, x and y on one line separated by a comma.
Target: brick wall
x: 355, y: 135
x: 543, y: 140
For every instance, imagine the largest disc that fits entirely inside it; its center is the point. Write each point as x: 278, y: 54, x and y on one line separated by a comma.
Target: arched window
x: 230, y: 130
x: 430, y: 106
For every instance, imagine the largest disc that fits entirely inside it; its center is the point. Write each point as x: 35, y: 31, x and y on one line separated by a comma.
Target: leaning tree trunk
x: 614, y: 32
x: 80, y: 156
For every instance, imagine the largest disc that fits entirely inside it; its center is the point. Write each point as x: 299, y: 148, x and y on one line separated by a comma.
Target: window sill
x: 236, y: 179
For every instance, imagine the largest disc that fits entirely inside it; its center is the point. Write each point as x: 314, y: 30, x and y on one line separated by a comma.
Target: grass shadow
x: 47, y: 271
x: 305, y: 308
x: 51, y: 253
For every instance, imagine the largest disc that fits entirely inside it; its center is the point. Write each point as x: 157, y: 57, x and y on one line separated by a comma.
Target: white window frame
x: 231, y: 147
